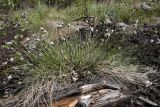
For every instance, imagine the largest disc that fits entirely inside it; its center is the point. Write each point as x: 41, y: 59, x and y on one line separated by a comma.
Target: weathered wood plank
x: 86, y: 89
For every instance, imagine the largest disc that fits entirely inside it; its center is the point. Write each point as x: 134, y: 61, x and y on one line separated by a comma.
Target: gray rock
x: 142, y: 6
x: 55, y: 24
x: 108, y: 21
x: 145, y: 7
x: 78, y: 25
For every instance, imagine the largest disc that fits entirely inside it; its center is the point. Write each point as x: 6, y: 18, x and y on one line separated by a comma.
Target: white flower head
x: 40, y: 54
x: 38, y: 39
x: 16, y: 37
x: 108, y: 34
x: 15, y: 67
x: 59, y: 26
x: 52, y: 43
x: 4, y: 63
x: 148, y: 83
x: 11, y: 59
x: 9, y: 43
x: 41, y: 28
x: 152, y: 40
x: 45, y: 31
x: 62, y: 51
x: 19, y: 83
x: 92, y: 29
x: 63, y: 38
x: 69, y: 24
x: 9, y: 77
x: 158, y: 41
x: 123, y: 28
x: 21, y: 36
x: 27, y: 39
x: 21, y: 58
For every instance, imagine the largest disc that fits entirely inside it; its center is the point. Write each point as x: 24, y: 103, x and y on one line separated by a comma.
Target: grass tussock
x: 61, y: 59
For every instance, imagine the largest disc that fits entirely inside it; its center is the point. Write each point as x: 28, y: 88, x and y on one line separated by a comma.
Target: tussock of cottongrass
x: 64, y: 57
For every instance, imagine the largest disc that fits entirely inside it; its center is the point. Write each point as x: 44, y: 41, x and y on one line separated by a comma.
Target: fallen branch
x: 148, y: 101
x: 85, y: 89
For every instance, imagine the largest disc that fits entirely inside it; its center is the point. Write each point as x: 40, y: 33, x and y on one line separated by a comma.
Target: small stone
x: 145, y: 7
x: 107, y: 21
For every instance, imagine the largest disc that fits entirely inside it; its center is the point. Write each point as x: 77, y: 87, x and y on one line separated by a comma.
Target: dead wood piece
x: 85, y: 89
x: 148, y: 101
x: 94, y: 87
x: 69, y: 102
x: 101, y: 100
x: 110, y: 95
x: 113, y: 96
x: 85, y: 100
